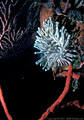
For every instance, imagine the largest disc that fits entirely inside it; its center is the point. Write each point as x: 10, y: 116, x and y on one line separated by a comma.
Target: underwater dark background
x: 27, y: 89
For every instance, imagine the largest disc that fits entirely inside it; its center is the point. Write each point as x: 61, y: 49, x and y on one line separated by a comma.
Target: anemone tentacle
x: 52, y: 43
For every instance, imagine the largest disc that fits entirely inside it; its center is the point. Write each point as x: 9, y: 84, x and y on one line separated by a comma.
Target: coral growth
x: 59, y: 49
x: 8, y: 34
x: 53, y: 45
x: 61, y: 97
